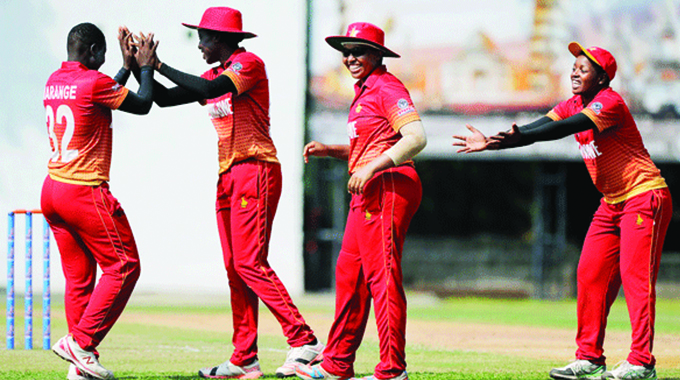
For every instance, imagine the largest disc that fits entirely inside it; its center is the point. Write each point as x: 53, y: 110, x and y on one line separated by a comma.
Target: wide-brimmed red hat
x: 222, y: 19
x: 362, y: 33
x: 599, y: 56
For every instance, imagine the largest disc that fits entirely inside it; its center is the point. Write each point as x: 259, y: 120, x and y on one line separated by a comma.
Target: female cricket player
x: 624, y: 242
x: 88, y: 222
x: 236, y: 93
x: 385, y: 133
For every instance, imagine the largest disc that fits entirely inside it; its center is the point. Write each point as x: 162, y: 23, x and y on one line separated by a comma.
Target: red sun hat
x: 362, y: 33
x: 599, y: 56
x: 222, y: 19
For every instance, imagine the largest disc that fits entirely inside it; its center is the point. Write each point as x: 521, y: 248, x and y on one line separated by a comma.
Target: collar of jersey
x: 236, y: 52
x: 372, y: 77
x: 73, y: 65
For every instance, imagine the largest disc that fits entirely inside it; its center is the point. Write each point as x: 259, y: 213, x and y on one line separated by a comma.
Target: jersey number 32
x: 63, y: 116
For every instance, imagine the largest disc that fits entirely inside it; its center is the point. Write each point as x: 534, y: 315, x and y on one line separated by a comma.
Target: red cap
x: 222, y: 19
x: 362, y: 33
x: 599, y: 56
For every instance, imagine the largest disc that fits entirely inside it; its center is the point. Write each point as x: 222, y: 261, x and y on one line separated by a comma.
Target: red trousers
x: 90, y: 228
x: 247, y: 197
x: 369, y: 266
x: 623, y: 246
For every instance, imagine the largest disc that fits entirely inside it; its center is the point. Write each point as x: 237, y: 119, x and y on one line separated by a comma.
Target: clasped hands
x: 138, y: 50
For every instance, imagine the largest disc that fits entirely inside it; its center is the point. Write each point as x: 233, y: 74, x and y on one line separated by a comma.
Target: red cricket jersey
x: 242, y: 121
x: 381, y: 106
x: 615, y: 155
x: 78, y: 103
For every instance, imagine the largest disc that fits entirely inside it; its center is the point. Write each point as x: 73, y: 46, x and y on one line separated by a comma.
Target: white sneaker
x: 579, y: 369
x: 227, y: 370
x: 86, y: 361
x: 307, y: 354
x: 627, y: 371
x: 75, y: 374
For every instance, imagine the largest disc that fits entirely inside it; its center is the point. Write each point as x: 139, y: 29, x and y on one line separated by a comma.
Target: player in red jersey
x: 385, y: 133
x: 236, y: 93
x: 88, y: 223
x: 625, y: 239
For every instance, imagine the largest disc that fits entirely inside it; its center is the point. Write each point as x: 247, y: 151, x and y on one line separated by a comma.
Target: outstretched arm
x: 169, y: 97
x: 544, y: 129
x: 203, y: 88
x: 476, y: 142
x: 162, y: 96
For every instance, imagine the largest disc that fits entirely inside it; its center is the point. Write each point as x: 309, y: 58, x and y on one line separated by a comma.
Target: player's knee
x: 132, y: 271
x: 247, y: 270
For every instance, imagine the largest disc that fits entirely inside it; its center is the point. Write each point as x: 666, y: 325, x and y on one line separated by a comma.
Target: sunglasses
x: 356, y: 52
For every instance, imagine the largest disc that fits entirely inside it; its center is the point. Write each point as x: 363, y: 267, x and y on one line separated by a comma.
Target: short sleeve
x: 560, y: 111
x: 245, y: 71
x: 108, y: 92
x: 605, y: 111
x: 397, y: 105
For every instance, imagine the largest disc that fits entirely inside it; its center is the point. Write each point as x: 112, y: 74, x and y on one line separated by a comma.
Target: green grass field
x: 171, y: 337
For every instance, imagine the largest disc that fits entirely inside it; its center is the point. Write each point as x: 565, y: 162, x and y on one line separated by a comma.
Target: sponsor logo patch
x: 236, y: 67
x: 596, y: 107
x: 404, y: 107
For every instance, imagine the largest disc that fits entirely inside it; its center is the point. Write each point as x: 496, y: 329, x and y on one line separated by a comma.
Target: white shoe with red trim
x: 86, y: 361
x: 308, y: 354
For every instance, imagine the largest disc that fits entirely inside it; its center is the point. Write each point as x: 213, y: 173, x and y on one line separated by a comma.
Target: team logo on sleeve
x: 116, y: 87
x: 596, y: 107
x: 404, y: 107
x: 236, y: 67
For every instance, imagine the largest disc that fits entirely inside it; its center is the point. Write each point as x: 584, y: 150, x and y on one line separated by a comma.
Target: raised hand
x: 314, y: 148
x: 127, y: 47
x: 476, y: 142
x: 146, y: 50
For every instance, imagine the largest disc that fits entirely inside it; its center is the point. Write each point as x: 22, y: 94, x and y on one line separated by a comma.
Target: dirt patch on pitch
x: 520, y: 341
